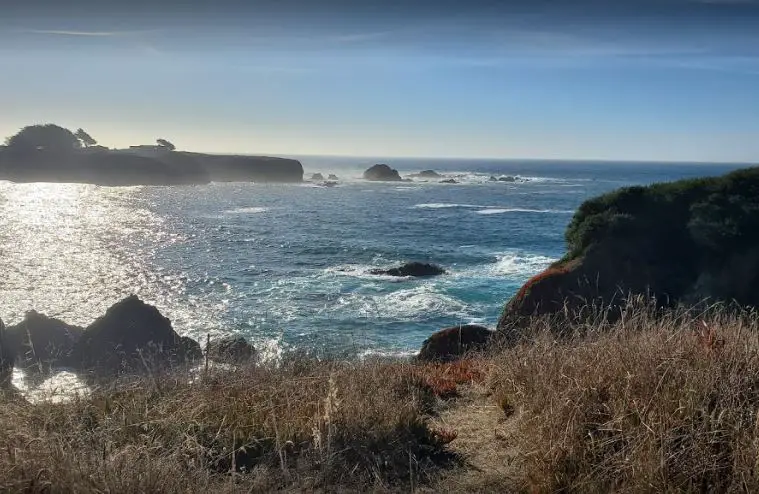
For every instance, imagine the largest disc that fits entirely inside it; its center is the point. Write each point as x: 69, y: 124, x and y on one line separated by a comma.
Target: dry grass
x: 650, y: 403
x: 647, y: 404
x: 305, y: 426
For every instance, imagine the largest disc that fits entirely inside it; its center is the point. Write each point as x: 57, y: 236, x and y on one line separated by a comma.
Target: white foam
x: 518, y: 264
x: 523, y: 210
x: 393, y: 354
x: 443, y: 205
x: 60, y: 387
x: 248, y: 210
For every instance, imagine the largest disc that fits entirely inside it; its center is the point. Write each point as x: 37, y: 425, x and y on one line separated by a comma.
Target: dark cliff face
x: 684, y: 242
x: 124, y: 167
x: 238, y: 168
x: 102, y: 167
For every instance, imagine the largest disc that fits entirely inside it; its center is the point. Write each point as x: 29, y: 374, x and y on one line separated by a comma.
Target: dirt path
x: 483, y: 441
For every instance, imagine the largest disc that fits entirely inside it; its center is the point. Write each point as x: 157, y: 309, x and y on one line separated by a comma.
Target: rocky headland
x: 685, y: 243
x: 49, y: 153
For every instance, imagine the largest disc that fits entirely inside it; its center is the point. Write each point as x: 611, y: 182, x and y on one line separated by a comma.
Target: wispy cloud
x: 64, y: 32
x: 359, y: 37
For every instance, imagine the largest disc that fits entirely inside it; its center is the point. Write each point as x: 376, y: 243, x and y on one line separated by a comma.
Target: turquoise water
x: 288, y: 265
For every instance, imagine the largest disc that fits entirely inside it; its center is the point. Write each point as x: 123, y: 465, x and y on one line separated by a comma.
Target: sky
x: 666, y: 80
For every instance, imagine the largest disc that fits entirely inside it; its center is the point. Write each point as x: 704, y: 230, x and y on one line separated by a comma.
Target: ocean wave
x: 382, y: 354
x: 523, y: 210
x: 443, y: 205
x: 248, y: 210
x: 518, y: 264
x: 411, y: 305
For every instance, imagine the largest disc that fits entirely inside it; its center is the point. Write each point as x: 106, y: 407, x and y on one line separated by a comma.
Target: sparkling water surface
x: 288, y: 265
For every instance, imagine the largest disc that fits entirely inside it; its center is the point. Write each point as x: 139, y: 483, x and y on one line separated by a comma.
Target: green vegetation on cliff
x: 694, y: 220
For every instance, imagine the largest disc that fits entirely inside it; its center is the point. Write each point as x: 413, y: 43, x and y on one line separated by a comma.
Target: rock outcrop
x: 449, y: 181
x: 317, y: 177
x: 232, y: 349
x: 7, y: 358
x: 42, y: 342
x: 452, y: 343
x: 131, y: 336
x: 56, y: 161
x: 683, y: 242
x: 333, y: 177
x: 411, y: 269
x: 382, y: 173
x: 426, y: 174
x: 241, y: 168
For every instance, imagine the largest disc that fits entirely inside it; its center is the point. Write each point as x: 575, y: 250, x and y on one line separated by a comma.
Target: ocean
x: 287, y: 266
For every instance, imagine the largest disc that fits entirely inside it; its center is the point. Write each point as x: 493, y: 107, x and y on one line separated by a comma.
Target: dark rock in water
x: 382, y: 173
x: 233, y: 349
x: 333, y: 177
x: 427, y: 174
x: 329, y: 183
x: 411, y: 269
x: 451, y: 343
x: 7, y: 358
x: 448, y: 181
x: 131, y: 336
x: 678, y: 244
x: 41, y: 340
x: 317, y: 177
x: 492, y: 179
x: 508, y: 178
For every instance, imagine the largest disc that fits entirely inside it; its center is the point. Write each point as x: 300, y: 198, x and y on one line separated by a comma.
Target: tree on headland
x: 85, y: 138
x: 166, y: 144
x: 47, y: 137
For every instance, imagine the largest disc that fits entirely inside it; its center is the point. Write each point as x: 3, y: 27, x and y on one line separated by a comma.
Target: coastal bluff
x: 689, y: 242
x: 49, y: 153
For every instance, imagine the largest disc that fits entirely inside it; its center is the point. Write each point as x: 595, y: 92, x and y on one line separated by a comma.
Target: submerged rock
x: 232, y: 349
x: 382, y: 173
x: 131, y: 336
x: 42, y: 340
x: 492, y: 179
x: 451, y: 343
x: 317, y: 177
x: 411, y: 269
x: 332, y: 177
x: 507, y: 178
x: 448, y: 181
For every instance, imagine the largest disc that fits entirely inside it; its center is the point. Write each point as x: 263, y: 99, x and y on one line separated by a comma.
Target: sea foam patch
x: 523, y: 210
x: 444, y: 205
x: 247, y: 210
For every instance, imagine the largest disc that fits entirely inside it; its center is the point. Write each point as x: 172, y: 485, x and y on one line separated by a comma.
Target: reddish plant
x: 551, y: 272
x: 443, y: 378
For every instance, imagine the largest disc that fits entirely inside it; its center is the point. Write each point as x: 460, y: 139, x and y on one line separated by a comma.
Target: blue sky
x: 636, y: 80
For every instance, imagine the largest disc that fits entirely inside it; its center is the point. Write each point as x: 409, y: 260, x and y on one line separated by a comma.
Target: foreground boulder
x: 131, y: 336
x: 232, y: 349
x: 684, y: 242
x: 7, y: 357
x: 451, y: 343
x: 44, y: 341
x: 411, y: 269
x: 382, y: 173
